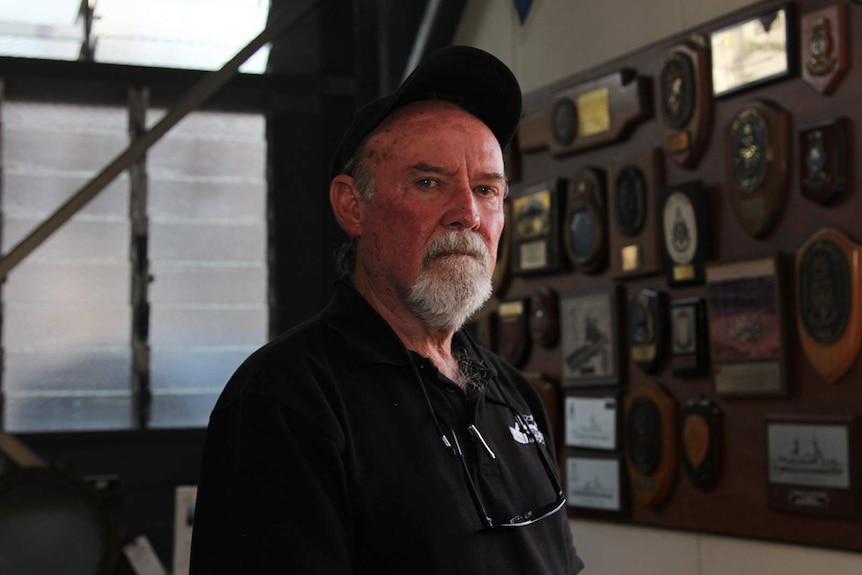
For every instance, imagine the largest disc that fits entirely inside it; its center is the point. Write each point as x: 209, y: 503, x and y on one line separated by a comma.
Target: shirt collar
x: 371, y: 338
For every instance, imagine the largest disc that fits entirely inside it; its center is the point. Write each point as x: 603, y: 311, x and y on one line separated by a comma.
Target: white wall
x: 561, y: 38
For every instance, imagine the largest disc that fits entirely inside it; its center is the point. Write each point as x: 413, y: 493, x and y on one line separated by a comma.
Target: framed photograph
x: 813, y: 464
x: 746, y: 327
x: 595, y: 484
x: 592, y: 419
x: 589, y: 325
x: 753, y: 52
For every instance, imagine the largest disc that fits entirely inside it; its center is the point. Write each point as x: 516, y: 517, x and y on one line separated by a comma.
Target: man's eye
x: 486, y: 191
x: 426, y: 183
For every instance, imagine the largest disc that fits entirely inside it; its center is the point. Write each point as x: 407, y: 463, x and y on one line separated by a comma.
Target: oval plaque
x: 828, y: 294
x: 585, y: 228
x: 630, y: 200
x: 652, y: 445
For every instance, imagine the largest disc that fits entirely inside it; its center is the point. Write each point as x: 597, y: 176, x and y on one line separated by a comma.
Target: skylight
x: 189, y: 34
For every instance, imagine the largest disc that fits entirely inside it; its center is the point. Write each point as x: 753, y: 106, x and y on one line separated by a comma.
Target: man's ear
x: 344, y: 198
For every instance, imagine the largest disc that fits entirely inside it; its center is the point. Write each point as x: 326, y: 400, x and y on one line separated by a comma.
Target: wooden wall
x: 737, y: 503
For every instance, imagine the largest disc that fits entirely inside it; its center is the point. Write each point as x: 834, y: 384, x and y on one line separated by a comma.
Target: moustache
x: 454, y: 243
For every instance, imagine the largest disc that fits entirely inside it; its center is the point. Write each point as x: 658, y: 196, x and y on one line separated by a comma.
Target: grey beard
x: 451, y: 289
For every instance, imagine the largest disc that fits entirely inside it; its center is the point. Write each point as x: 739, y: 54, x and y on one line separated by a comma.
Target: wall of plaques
x: 681, y: 277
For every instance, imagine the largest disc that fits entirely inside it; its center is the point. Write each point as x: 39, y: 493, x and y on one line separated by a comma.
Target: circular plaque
x: 680, y: 228
x: 630, y: 205
x: 824, y: 291
x: 749, y: 141
x: 677, y: 90
x: 585, y: 233
x: 564, y: 121
x: 644, y: 435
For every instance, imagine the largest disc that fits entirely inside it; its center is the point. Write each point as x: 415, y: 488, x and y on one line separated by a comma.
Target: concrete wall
x: 560, y: 38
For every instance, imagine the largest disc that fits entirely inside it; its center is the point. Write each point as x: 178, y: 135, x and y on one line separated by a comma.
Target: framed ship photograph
x: 589, y: 328
x: 746, y: 327
x: 595, y: 485
x: 814, y: 464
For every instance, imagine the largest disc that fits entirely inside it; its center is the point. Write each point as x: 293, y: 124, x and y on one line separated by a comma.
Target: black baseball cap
x: 473, y: 78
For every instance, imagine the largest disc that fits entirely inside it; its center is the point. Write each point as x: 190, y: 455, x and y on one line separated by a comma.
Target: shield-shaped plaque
x: 701, y: 430
x: 758, y: 165
x: 825, y: 52
x: 829, y: 287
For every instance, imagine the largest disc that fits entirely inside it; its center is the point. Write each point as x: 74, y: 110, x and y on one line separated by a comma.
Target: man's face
x: 429, y: 236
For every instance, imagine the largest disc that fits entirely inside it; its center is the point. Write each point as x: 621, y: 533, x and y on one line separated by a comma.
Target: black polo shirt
x: 324, y: 455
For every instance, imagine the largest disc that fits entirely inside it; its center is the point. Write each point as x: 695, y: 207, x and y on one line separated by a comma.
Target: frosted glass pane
x: 215, y: 326
x: 208, y: 284
x: 33, y: 194
x: 207, y: 158
x: 79, y: 413
x: 87, y: 370
x: 208, y: 253
x: 178, y: 410
x: 69, y: 282
x: 73, y: 326
x: 67, y: 319
x: 77, y: 239
x: 192, y: 370
x: 49, y: 118
x: 63, y: 151
x: 213, y: 242
x: 207, y: 199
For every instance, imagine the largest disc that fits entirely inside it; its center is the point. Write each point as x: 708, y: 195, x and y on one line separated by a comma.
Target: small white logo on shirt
x: 520, y: 434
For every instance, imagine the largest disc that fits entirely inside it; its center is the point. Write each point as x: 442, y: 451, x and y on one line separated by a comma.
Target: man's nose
x: 464, y: 208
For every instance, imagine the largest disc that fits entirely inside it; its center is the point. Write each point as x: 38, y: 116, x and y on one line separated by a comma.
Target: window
x: 137, y: 32
x: 67, y: 314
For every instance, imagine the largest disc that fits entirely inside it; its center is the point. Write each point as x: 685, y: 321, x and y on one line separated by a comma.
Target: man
x: 378, y: 437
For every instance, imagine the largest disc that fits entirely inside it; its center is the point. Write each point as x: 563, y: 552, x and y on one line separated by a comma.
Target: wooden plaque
x: 689, y: 339
x: 545, y: 317
x: 651, y: 443
x: 685, y: 233
x: 824, y: 160
x: 589, y: 325
x: 685, y: 101
x: 633, y: 214
x: 513, y: 336
x: 829, y: 288
x: 758, y: 164
x: 825, y: 55
x: 746, y: 327
x: 598, y: 112
x: 585, y: 227
x: 813, y: 463
x: 701, y: 431
x: 647, y: 328
x: 536, y: 234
